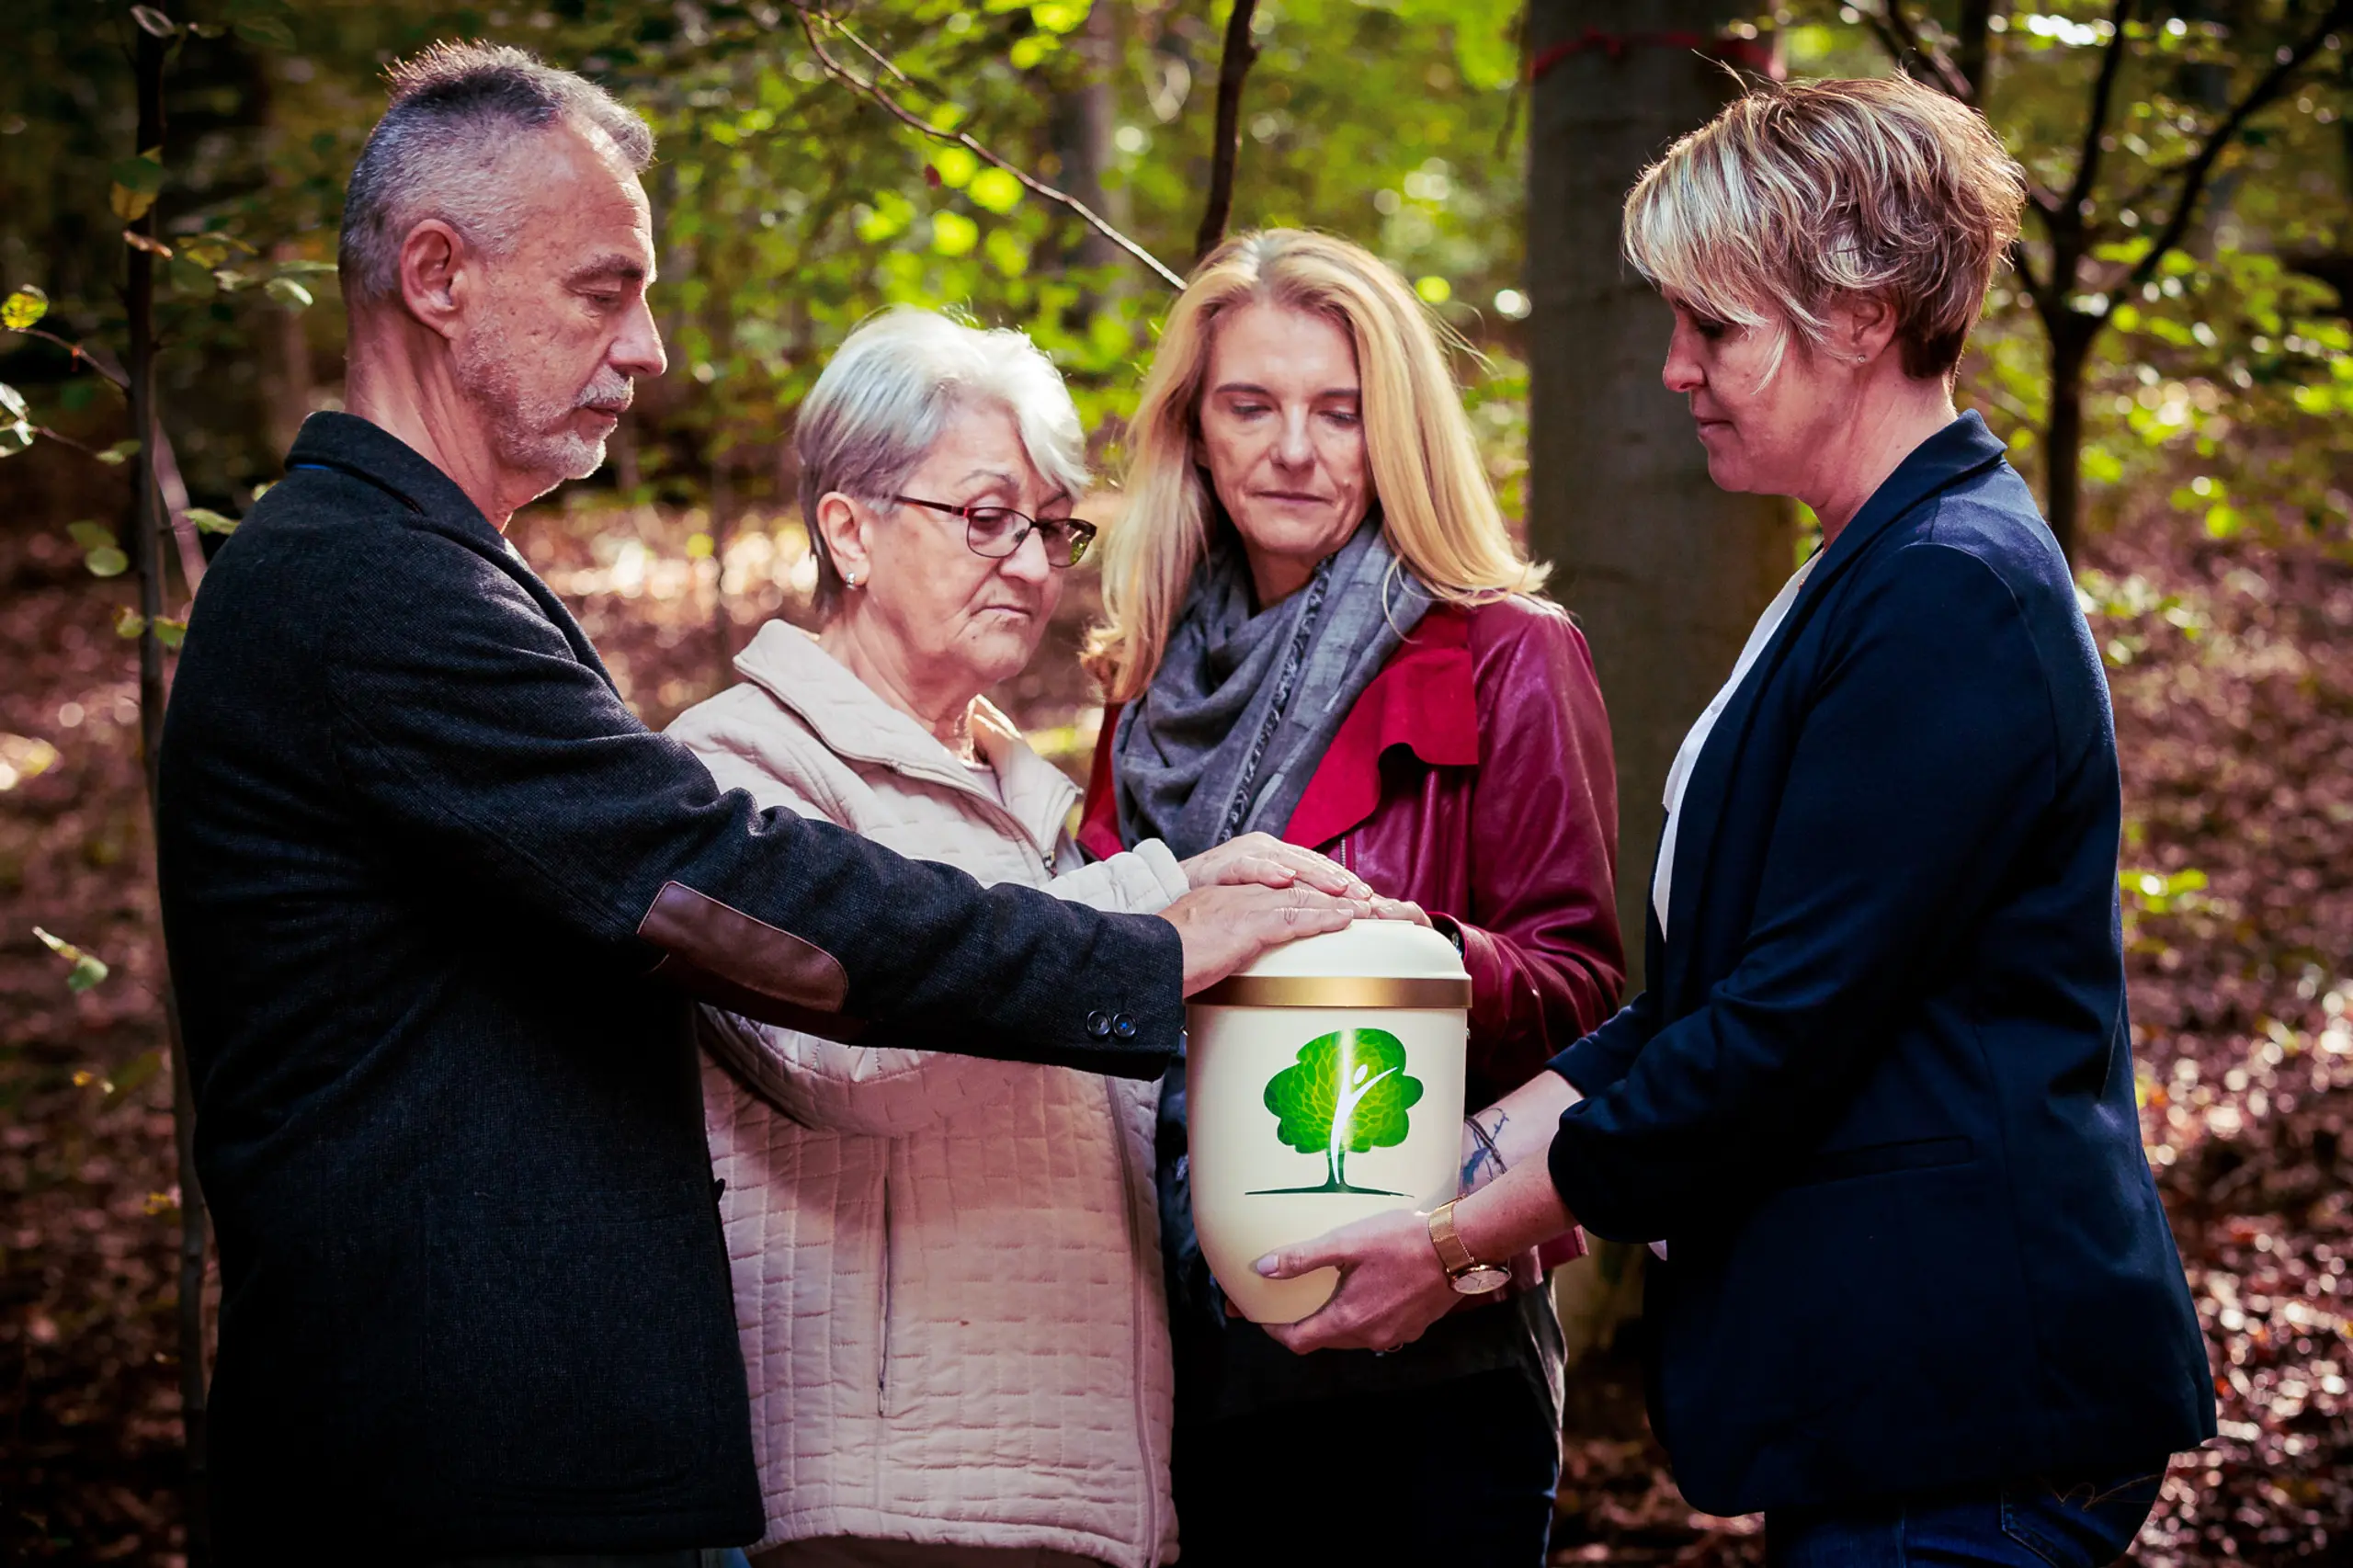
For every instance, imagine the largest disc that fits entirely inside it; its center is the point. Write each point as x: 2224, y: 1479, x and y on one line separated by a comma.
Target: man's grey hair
x: 442, y: 150
x: 875, y: 412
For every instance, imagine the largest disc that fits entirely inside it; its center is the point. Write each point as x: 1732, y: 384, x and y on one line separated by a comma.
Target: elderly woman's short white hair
x: 1795, y: 195
x: 887, y: 395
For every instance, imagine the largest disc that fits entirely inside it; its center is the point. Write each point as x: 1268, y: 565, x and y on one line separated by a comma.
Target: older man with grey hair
x: 438, y: 904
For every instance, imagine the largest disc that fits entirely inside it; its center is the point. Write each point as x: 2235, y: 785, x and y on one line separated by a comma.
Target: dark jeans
x: 1459, y: 1473
x: 2022, y: 1524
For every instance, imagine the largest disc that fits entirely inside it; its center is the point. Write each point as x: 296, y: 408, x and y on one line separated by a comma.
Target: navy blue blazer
x: 1878, y: 1094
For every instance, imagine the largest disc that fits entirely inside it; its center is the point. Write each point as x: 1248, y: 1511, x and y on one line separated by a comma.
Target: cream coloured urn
x: 1323, y: 1084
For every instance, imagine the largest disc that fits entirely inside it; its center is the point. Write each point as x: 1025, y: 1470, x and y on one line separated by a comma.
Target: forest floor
x: 2232, y: 668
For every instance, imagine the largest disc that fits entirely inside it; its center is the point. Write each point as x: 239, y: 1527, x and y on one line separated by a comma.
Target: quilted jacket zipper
x: 882, y: 1321
x: 1138, y: 1309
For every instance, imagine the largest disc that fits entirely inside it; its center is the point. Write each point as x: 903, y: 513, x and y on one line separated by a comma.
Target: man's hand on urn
x: 1392, y: 1285
x: 1226, y: 928
x: 1264, y: 860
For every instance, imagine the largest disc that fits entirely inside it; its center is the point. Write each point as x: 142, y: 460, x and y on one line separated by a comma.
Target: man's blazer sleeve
x: 507, y: 767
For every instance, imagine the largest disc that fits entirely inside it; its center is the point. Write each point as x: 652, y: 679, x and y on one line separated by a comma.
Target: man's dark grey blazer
x: 438, y: 905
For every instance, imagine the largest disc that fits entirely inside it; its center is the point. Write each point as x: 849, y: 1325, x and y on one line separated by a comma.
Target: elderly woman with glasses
x: 1917, y: 1301
x: 947, y: 1270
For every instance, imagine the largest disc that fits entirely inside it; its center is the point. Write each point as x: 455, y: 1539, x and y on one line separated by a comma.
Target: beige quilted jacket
x: 946, y: 1270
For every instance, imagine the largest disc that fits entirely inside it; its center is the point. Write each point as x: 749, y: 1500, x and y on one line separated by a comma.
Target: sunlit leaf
x: 137, y: 241
x: 154, y: 21
x: 303, y: 269
x: 23, y: 307
x: 87, y: 970
x: 12, y: 402
x: 288, y: 292
x: 210, y: 521
x: 107, y: 561
x: 995, y: 190
x: 120, y: 453
x: 952, y: 233
x: 170, y: 633
x: 129, y: 622
x: 23, y: 757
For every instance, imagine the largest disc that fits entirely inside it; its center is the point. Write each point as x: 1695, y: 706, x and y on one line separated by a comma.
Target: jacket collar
x: 1958, y: 451
x: 368, y: 452
x: 850, y: 720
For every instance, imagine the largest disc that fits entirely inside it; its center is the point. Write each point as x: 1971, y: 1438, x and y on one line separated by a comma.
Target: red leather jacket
x: 1474, y: 776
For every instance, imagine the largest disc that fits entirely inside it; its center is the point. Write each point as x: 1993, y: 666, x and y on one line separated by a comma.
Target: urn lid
x: 1371, y: 964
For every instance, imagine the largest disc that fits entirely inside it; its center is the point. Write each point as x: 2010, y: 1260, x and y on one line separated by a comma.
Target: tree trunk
x: 2071, y: 334
x: 150, y: 518
x: 1666, y: 572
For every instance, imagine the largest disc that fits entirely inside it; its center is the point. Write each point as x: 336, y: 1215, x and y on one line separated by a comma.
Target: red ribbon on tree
x: 1746, y: 53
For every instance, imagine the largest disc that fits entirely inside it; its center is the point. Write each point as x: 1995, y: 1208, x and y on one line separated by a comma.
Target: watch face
x: 1480, y: 1279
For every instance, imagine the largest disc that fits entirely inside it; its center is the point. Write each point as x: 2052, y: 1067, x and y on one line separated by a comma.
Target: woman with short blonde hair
x: 1315, y: 625
x: 1917, y: 1298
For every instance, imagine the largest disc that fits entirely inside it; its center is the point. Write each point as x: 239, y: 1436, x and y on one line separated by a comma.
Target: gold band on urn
x: 1335, y: 991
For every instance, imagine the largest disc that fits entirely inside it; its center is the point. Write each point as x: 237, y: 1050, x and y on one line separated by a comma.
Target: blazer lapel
x: 1954, y: 453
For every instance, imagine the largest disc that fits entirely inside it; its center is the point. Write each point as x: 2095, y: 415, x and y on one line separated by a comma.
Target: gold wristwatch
x: 1467, y: 1274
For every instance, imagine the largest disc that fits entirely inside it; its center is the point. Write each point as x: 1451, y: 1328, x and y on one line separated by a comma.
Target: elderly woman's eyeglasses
x: 997, y: 531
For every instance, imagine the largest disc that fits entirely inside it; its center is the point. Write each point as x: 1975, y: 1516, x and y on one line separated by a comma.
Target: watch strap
x: 1452, y: 1255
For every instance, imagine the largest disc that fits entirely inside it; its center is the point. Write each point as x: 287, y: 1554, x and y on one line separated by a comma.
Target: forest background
x: 2176, y: 335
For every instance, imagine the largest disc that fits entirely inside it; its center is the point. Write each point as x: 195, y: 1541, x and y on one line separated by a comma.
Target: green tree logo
x: 1347, y: 1093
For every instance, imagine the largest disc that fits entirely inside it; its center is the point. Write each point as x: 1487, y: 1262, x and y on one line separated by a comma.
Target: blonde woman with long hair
x: 1316, y: 626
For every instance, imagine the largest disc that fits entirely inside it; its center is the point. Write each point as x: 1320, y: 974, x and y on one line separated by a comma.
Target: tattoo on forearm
x: 1485, y: 1162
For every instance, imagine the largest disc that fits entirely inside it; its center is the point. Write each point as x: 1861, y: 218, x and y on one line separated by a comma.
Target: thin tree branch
x: 2194, y: 176
x: 1972, y: 60
x: 1225, y: 147
x: 1901, y: 40
x: 81, y: 355
x: 810, y: 17
x: 1900, y: 37
x: 63, y: 440
x: 2111, y: 63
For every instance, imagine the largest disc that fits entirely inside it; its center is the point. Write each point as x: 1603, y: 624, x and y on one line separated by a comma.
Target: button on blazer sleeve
x: 1929, y: 750
x: 498, y: 756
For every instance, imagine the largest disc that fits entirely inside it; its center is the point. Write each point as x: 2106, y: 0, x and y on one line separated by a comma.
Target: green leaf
x: 995, y: 190
x: 87, y: 970
x: 267, y: 31
x: 170, y: 633
x: 210, y: 521
x: 952, y: 233
x: 144, y: 1067
x: 15, y: 439
x: 129, y: 623
x: 189, y: 278
x: 90, y: 535
x: 107, y: 561
x: 303, y: 269
x: 136, y: 182
x: 956, y: 166
x: 120, y: 453
x: 288, y: 292
x: 23, y: 307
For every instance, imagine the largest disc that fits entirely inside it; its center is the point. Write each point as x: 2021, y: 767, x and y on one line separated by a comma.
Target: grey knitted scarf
x: 1246, y: 703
